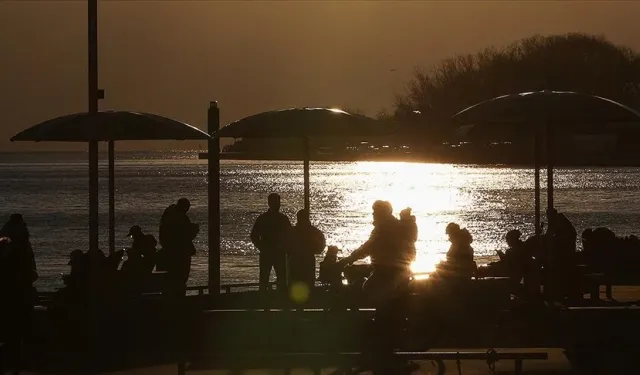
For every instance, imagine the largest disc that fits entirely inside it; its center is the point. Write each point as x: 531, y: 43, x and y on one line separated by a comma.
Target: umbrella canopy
x: 110, y: 126
x: 305, y: 122
x: 521, y: 115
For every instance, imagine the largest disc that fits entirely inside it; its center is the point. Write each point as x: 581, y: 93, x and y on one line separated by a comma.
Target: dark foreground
x: 153, y: 331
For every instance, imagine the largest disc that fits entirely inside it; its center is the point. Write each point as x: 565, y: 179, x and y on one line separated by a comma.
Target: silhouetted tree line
x: 572, y: 62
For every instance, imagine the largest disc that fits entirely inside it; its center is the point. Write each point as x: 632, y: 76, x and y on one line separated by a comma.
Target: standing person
x: 177, y: 233
x: 307, y: 242
x: 271, y: 236
x: 17, y: 293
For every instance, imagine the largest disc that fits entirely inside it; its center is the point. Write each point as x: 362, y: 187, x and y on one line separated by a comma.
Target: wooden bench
x: 346, y: 362
x: 609, y: 281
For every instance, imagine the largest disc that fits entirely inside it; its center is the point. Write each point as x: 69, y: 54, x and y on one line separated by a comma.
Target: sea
x: 50, y: 189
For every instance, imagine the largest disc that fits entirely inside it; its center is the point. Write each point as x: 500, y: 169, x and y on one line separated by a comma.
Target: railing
x: 227, y: 288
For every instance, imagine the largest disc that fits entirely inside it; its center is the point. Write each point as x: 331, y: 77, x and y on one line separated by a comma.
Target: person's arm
x: 256, y: 233
x: 361, y: 252
x: 34, y: 269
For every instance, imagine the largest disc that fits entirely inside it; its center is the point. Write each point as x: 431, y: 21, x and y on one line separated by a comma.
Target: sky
x: 173, y: 57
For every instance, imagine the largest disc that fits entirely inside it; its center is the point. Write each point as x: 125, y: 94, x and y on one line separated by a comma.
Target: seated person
x: 410, y: 233
x: 459, y: 261
x: 145, y: 244
x: 330, y: 272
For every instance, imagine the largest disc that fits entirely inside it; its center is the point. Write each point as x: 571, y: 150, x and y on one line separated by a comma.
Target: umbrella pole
x: 536, y: 167
x: 93, y: 109
x: 213, y: 201
x: 92, y: 31
x: 550, y: 165
x: 307, y: 202
x: 112, y: 208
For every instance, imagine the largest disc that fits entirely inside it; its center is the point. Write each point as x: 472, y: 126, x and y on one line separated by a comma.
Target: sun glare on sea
x: 431, y: 190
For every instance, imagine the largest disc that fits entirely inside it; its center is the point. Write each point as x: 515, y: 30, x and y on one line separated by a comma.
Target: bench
x: 609, y: 281
x: 346, y: 362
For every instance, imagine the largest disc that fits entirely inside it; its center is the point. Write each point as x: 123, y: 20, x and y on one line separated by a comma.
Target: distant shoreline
x: 15, y: 156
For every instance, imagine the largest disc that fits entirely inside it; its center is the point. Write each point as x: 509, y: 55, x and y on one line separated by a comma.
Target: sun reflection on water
x: 431, y: 190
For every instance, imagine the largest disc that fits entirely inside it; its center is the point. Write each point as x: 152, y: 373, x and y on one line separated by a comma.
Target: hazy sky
x: 173, y: 57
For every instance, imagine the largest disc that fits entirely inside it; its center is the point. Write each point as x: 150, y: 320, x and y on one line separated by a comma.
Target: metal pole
x: 93, y: 110
x: 536, y: 166
x: 306, y: 174
x: 213, y: 201
x: 112, y: 208
x: 92, y: 24
x: 550, y: 165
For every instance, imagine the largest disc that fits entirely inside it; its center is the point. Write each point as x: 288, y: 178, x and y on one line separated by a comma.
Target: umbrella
x: 527, y: 115
x: 110, y: 126
x: 305, y: 123
x: 516, y: 116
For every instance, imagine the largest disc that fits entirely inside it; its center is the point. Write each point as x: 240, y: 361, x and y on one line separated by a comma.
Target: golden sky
x: 173, y: 57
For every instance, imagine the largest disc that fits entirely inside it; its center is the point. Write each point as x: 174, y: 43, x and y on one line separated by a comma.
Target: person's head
x: 303, y: 217
x: 16, y: 219
x: 332, y: 252
x: 381, y: 210
x: 183, y: 205
x: 15, y: 228
x: 452, y: 230
x: 405, y: 214
x: 75, y: 257
x: 513, y: 237
x: 274, y: 201
x: 135, y: 231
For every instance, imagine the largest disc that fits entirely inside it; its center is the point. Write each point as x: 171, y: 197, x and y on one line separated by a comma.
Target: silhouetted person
x: 561, y: 271
x: 17, y: 275
x: 460, y: 255
x: 133, y: 270
x: 177, y: 233
x: 76, y: 282
x: 391, y: 275
x: 410, y: 233
x: 145, y: 244
x: 271, y: 235
x: 307, y: 242
x: 518, y: 261
x: 562, y: 230
x: 330, y: 271
x: 387, y: 248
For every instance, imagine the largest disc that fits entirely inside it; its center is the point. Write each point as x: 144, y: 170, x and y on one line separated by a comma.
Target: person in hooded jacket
x: 307, y: 242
